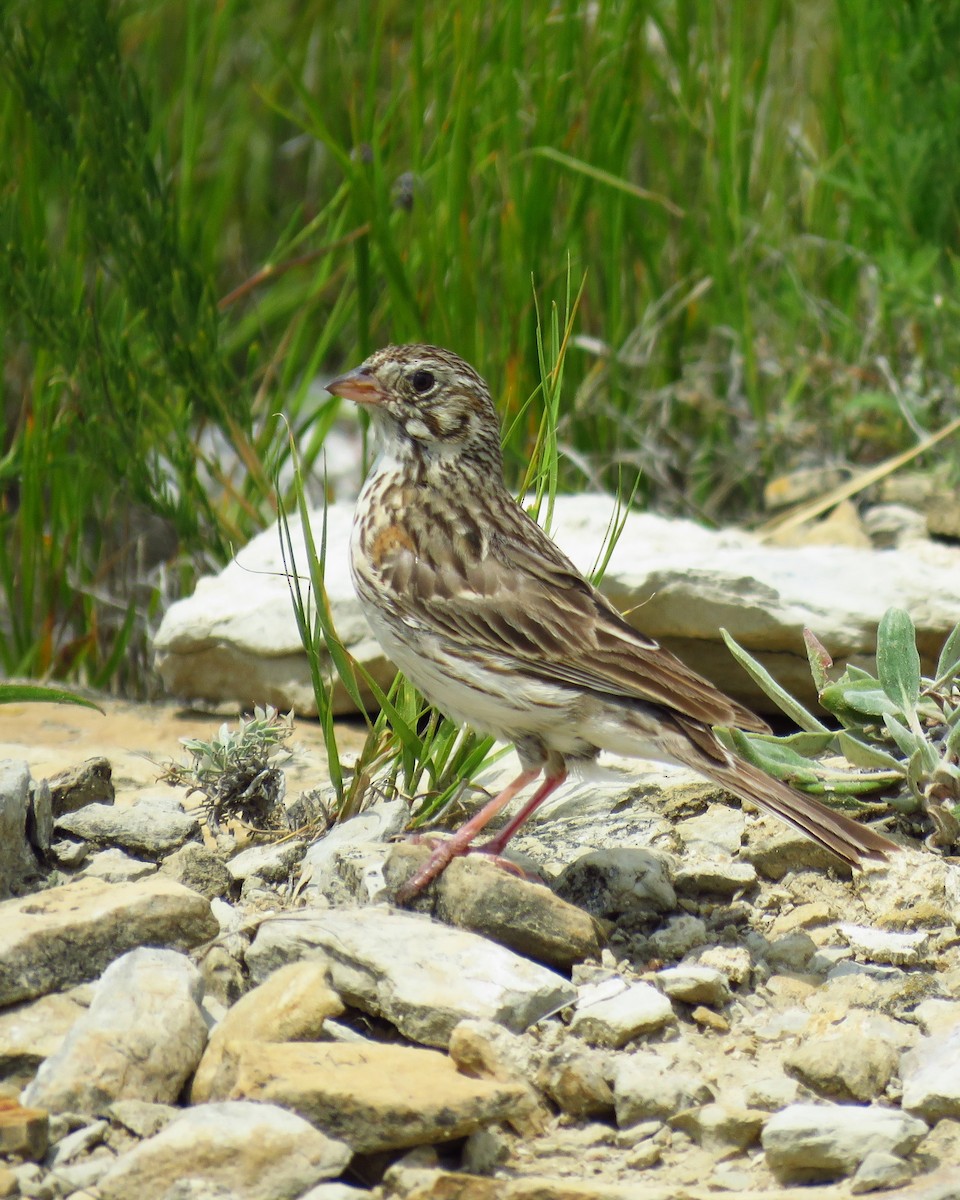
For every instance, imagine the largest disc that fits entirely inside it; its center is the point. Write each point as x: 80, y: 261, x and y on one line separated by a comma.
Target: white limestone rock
x: 141, y: 1038
x: 931, y: 1076
x: 422, y: 976
x: 236, y: 638
x: 806, y: 1143
x: 69, y: 934
x: 238, y: 1148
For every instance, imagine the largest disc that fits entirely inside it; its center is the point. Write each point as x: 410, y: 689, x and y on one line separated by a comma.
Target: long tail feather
x: 847, y: 838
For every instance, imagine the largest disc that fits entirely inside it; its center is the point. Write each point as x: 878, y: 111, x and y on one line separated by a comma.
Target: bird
x: 491, y: 621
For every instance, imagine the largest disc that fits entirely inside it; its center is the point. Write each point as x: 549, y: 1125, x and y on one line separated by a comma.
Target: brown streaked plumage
x: 500, y: 631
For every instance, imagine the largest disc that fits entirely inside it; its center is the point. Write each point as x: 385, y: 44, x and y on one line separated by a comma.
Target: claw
x: 459, y: 844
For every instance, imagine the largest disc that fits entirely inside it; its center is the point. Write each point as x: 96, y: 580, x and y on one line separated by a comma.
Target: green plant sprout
x: 39, y: 693
x: 239, y: 771
x: 897, y: 734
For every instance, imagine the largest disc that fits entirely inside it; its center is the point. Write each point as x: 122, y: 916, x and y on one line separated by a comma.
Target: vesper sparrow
x: 498, y: 629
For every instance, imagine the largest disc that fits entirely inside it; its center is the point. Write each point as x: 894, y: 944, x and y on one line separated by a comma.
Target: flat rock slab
x: 141, y: 1038
x: 422, y: 976
x: 648, y: 1085
x: 884, y: 945
x: 114, y: 866
x: 373, y: 1097
x: 478, y: 895
x: 810, y: 1142
x: 613, y: 1017
x: 931, y: 1076
x: 290, y: 1006
x: 850, y: 1059
x: 695, y: 984
x: 237, y: 1149
x: 67, y: 935
x: 149, y: 829
x: 236, y: 637
x: 33, y: 1030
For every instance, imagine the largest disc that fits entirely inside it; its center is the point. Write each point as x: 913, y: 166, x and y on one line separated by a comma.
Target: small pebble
x: 646, y: 1154
x: 710, y: 1019
x: 879, y: 1171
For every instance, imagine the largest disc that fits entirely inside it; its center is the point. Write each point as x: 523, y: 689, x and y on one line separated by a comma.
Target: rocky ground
x: 699, y: 1002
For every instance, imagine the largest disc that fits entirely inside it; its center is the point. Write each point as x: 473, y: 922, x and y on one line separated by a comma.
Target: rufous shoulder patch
x: 388, y: 541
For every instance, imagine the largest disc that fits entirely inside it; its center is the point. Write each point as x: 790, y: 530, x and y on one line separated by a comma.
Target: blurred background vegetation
x: 205, y: 207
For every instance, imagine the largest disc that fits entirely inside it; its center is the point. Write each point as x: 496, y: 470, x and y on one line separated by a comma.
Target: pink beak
x: 357, y: 385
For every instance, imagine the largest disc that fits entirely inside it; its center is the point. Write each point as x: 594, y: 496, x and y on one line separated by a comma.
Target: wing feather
x: 526, y: 604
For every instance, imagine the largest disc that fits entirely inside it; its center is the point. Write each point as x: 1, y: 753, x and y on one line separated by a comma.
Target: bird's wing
x: 525, y: 603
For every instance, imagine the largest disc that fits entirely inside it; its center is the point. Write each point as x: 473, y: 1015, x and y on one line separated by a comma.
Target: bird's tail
x: 845, y: 837
x: 848, y: 839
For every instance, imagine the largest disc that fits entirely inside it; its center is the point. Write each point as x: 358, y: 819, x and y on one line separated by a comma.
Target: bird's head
x: 425, y: 401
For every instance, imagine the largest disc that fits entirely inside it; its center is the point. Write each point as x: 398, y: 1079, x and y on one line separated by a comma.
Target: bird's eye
x: 422, y: 381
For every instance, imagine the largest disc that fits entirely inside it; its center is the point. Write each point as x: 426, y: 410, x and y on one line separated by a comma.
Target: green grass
x: 762, y: 199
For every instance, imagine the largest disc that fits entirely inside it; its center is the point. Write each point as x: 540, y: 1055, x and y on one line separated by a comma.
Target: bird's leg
x: 496, y: 844
x: 457, y: 845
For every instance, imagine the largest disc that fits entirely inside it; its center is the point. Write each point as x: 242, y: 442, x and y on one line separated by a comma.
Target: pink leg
x: 455, y: 846
x: 547, y: 788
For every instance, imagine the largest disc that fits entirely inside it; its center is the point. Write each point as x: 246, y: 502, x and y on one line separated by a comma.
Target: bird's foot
x: 453, y: 847
x: 444, y: 852
x: 491, y: 852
